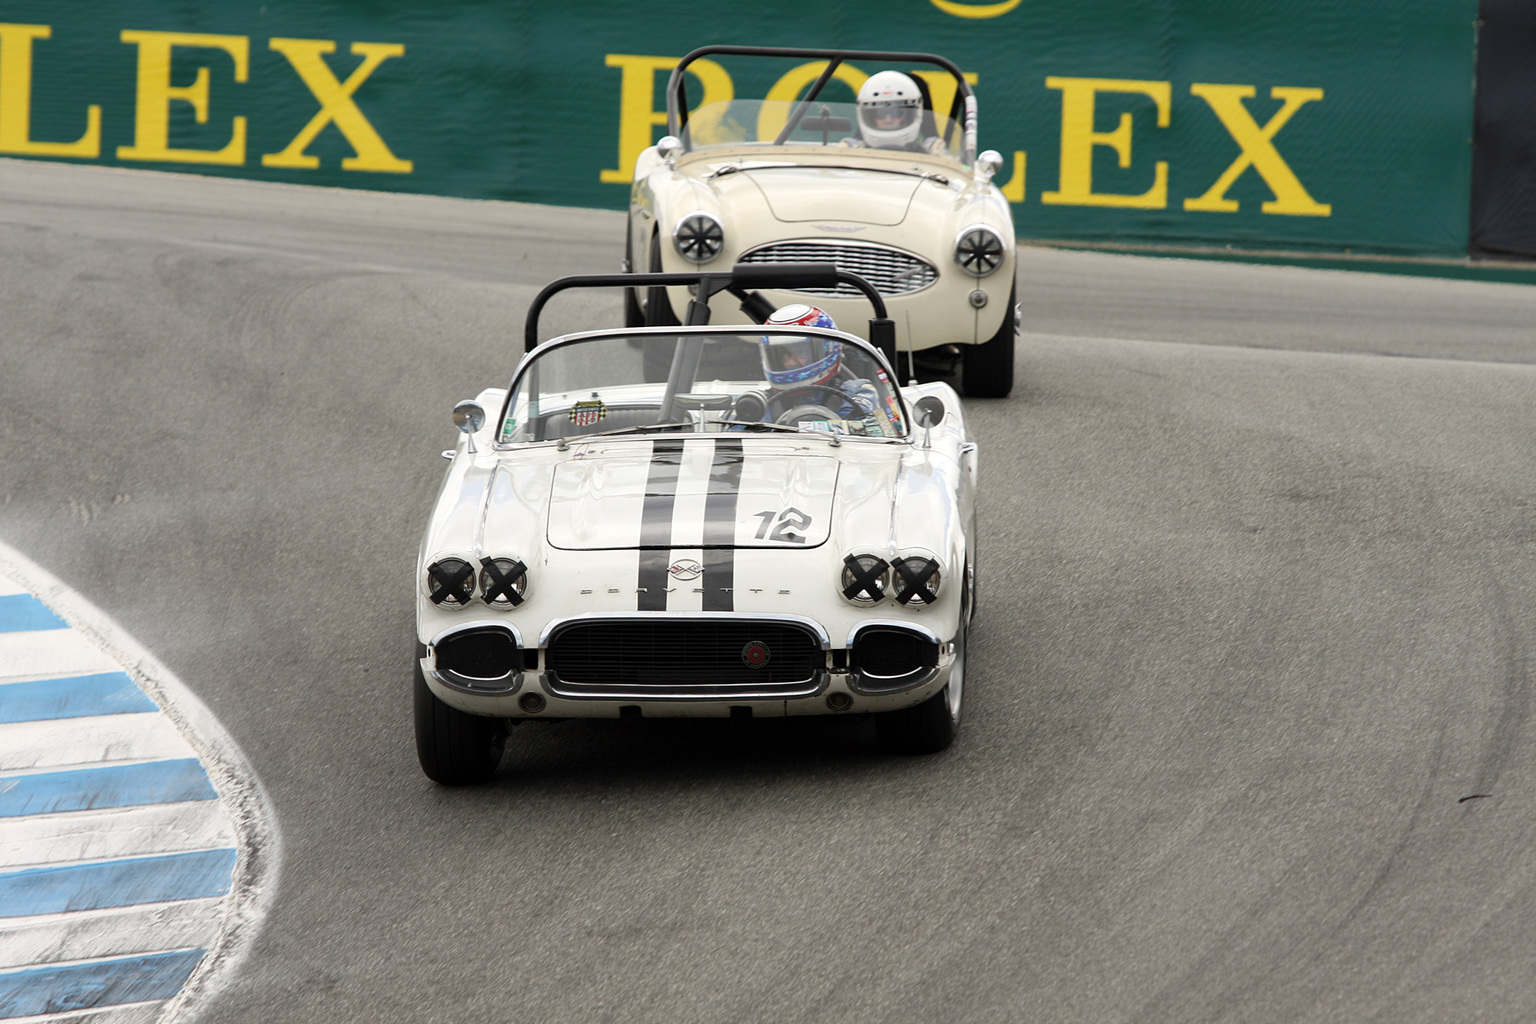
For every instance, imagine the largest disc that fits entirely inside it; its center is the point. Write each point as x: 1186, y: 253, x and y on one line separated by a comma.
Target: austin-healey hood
x: 692, y: 494
x: 801, y: 194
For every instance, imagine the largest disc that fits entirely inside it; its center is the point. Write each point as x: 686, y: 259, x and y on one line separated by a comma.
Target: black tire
x: 988, y: 368
x: 656, y: 360
x: 929, y: 727
x: 454, y: 748
x: 634, y: 316
x: 658, y: 308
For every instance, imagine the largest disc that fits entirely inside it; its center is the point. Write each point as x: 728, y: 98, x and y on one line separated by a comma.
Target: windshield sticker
x: 588, y: 414
x: 508, y: 429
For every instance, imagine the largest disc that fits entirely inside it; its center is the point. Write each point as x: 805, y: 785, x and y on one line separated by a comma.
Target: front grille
x: 890, y: 656
x: 891, y: 271
x: 683, y: 658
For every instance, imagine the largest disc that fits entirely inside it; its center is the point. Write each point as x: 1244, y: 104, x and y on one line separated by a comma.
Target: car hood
x: 800, y: 194
x: 695, y: 495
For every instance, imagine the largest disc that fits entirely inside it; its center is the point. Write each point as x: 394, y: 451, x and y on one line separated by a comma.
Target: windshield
x: 748, y: 380
x: 752, y: 122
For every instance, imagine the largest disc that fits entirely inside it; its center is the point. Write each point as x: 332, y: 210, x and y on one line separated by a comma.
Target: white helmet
x: 890, y: 110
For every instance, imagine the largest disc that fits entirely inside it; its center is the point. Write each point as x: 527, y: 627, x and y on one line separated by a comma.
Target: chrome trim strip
x: 914, y: 627
x: 717, y: 694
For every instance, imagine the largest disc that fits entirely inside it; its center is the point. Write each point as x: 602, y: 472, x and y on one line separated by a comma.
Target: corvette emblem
x: 685, y: 569
x: 756, y: 654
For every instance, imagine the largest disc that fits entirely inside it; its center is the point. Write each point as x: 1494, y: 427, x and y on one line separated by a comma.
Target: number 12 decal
x: 790, y: 520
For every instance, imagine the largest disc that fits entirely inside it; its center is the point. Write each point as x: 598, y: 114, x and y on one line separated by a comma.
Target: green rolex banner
x: 1323, y: 126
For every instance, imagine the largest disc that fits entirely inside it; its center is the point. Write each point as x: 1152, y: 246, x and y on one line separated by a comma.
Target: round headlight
x: 450, y: 582
x: 503, y: 582
x: 698, y: 238
x: 865, y: 578
x: 917, y: 579
x: 979, y: 250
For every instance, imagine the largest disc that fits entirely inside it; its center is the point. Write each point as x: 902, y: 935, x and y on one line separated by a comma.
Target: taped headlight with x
x: 917, y: 579
x: 864, y: 578
x: 503, y: 582
x: 450, y: 582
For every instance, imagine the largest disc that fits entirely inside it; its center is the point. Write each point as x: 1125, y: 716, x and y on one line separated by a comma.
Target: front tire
x: 657, y: 359
x: 454, y: 748
x: 634, y: 316
x: 931, y: 726
x: 988, y: 368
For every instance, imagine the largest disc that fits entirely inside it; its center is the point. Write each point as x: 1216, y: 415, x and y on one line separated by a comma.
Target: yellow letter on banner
x: 1258, y: 151
x: 16, y: 100
x: 1078, y: 140
x: 941, y: 88
x: 337, y: 105
x: 152, y: 118
x: 638, y: 115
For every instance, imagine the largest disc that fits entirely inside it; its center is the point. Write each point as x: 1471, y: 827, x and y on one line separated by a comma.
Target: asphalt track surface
x: 1249, y: 724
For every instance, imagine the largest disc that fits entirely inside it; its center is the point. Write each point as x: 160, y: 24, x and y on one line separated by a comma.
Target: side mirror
x: 469, y: 417
x: 668, y: 146
x: 989, y: 163
x: 929, y: 412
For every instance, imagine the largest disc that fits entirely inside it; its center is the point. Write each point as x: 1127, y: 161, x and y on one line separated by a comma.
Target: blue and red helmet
x: 791, y: 360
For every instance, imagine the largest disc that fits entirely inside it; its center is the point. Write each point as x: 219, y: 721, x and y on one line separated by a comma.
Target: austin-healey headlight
x: 979, y: 250
x: 503, y: 582
x: 450, y: 582
x: 865, y: 578
x: 917, y: 580
x: 698, y: 238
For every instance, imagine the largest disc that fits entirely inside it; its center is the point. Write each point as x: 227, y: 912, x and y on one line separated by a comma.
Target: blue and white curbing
x: 137, y: 850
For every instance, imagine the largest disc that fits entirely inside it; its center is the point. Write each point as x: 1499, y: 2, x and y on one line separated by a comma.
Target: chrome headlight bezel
x: 917, y: 579
x: 979, y: 250
x: 699, y: 236
x: 448, y: 581
x: 503, y: 582
x: 865, y: 578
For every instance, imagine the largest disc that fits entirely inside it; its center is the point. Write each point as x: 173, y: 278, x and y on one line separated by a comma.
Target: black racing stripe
x: 656, y: 523
x: 720, y: 526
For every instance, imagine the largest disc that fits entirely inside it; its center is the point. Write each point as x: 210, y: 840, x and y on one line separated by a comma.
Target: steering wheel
x: 793, y: 416
x: 805, y: 390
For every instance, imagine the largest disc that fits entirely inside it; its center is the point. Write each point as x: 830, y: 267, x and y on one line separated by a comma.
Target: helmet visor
x: 791, y: 353
x: 888, y: 116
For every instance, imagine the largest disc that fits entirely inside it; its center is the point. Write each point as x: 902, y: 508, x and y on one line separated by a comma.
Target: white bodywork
x: 713, y: 522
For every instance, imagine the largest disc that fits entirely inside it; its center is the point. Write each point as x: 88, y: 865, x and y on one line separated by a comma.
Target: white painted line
x: 63, y: 742
x: 85, y: 847
x: 133, y: 1013
x: 111, y: 834
x: 49, y: 652
x: 118, y: 931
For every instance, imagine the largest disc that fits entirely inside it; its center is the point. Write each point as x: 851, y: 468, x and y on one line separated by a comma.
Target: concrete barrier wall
x: 1305, y: 125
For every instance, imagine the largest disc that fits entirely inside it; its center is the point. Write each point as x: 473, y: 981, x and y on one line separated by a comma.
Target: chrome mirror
x: 469, y: 416
x: 929, y: 411
x: 989, y: 163
x: 670, y: 145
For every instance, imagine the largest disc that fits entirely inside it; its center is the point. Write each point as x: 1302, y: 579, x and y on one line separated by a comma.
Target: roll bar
x: 738, y: 280
x: 962, y: 110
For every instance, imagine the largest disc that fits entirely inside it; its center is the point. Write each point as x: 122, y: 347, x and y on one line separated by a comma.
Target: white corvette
x: 888, y: 186
x: 774, y: 529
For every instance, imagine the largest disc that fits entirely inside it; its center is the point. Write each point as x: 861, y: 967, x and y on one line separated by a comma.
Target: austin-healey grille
x: 891, y: 271
x: 683, y: 659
